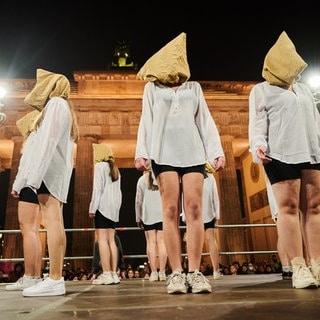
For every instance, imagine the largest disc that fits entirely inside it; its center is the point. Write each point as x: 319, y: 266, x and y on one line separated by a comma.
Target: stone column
x: 82, y: 241
x: 231, y: 239
x: 13, y: 246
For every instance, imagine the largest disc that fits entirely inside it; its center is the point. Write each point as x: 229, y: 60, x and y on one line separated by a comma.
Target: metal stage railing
x: 121, y: 229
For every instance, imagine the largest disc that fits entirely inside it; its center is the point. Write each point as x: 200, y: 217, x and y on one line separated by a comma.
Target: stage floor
x: 233, y: 297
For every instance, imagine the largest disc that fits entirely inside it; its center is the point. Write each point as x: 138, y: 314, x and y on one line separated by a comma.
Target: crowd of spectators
x: 273, y: 265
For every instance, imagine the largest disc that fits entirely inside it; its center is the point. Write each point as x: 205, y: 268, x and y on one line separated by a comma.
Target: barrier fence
x: 121, y: 229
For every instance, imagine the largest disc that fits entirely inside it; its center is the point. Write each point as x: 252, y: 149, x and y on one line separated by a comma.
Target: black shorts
x: 155, y: 226
x: 211, y: 224
x: 101, y: 222
x: 158, y: 168
x: 279, y: 171
x: 43, y: 189
x: 28, y: 195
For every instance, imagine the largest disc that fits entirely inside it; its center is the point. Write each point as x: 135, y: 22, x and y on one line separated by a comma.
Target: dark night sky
x: 223, y: 42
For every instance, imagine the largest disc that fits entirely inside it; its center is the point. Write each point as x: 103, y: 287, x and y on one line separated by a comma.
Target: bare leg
x: 29, y: 220
x: 213, y: 248
x: 192, y: 185
x: 113, y: 250
x: 151, y: 239
x: 169, y: 186
x: 310, y: 200
x: 293, y: 196
x: 52, y: 212
x: 162, y: 252
x: 108, y: 249
x: 288, y: 222
x: 303, y: 232
x: 285, y: 261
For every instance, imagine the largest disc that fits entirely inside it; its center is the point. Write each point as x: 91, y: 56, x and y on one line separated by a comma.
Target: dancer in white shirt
x: 104, y: 208
x: 284, y: 135
x: 46, y: 166
x: 148, y: 209
x: 29, y: 217
x: 176, y: 136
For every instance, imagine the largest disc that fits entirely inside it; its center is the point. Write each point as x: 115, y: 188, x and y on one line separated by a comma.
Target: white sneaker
x: 116, y: 279
x: 154, y: 276
x: 22, y: 283
x: 217, y: 275
x: 45, y: 288
x: 302, y: 278
x: 104, y: 278
x: 162, y: 276
x: 177, y: 282
x: 98, y: 280
x: 315, y: 270
x: 198, y: 283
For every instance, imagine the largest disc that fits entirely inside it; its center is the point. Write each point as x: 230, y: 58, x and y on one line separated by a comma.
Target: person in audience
x: 233, y: 270
x: 251, y: 268
x: 17, y: 272
x: 137, y: 274
x: 244, y: 269
x: 148, y: 210
x: 205, y: 269
x: 3, y: 277
x: 130, y: 273
x: 276, y: 264
x: 226, y: 270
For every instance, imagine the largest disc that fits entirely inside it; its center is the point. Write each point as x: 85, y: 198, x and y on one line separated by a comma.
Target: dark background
x: 224, y: 41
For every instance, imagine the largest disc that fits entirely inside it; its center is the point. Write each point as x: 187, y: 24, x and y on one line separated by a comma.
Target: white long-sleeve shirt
x: 176, y: 127
x: 210, y: 199
x: 271, y: 199
x: 48, y: 152
x: 286, y: 123
x: 148, y: 205
x: 106, y: 194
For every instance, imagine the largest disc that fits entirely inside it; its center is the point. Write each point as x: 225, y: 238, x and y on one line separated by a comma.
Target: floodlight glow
x: 3, y: 117
x: 3, y: 92
x: 314, y: 82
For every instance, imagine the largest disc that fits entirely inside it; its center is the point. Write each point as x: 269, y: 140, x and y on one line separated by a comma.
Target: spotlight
x: 3, y: 117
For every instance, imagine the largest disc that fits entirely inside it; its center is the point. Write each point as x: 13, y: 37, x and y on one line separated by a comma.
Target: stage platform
x: 233, y: 297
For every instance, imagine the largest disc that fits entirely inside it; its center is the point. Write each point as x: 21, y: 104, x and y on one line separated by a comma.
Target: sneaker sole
x: 14, y: 289
x: 177, y: 291
x: 201, y: 291
x: 310, y: 286
x: 44, y: 294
